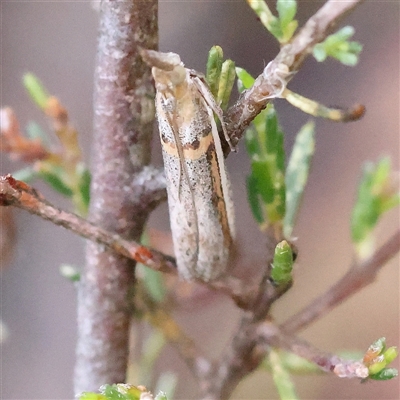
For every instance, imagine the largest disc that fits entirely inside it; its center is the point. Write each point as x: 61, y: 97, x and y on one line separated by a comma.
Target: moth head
x: 168, y: 80
x: 168, y: 70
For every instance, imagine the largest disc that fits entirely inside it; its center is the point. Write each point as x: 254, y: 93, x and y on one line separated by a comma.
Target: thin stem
x: 354, y: 280
x: 19, y: 194
x: 270, y: 335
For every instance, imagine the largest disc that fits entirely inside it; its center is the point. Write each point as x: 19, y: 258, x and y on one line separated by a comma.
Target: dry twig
x: 19, y: 194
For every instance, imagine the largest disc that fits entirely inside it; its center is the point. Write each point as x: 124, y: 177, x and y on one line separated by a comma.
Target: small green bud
x: 378, y: 346
x: 338, y: 46
x: 226, y: 81
x: 245, y: 80
x: 377, y: 366
x: 283, y: 263
x: 390, y: 354
x: 214, y: 66
x: 385, y: 374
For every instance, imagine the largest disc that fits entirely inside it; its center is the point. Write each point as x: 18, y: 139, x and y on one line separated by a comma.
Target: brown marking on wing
x: 218, y: 196
x: 191, y: 151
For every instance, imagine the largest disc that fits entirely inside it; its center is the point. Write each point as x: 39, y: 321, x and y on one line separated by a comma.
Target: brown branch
x: 19, y: 194
x: 123, y: 124
x: 270, y: 335
x: 281, y: 70
x: 358, y: 276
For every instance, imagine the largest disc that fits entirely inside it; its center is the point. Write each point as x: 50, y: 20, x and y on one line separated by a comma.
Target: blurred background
x: 57, y: 42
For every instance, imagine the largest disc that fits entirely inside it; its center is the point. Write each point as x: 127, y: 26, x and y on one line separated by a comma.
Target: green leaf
x: 338, y: 46
x: 154, y: 283
x: 282, y: 266
x: 376, y: 195
x: 390, y: 354
x: 111, y: 392
x: 84, y: 184
x: 284, y: 26
x: 121, y: 391
x: 226, y: 81
x: 264, y: 183
x: 214, y: 66
x: 281, y: 377
x: 377, y: 366
x: 287, y: 10
x: 385, y: 374
x: 297, y: 174
x: 264, y: 143
x: 378, y: 346
x: 346, y: 58
x: 264, y: 14
x: 245, y: 80
x: 54, y: 180
x: 254, y: 200
x: 36, y: 90
x: 320, y: 53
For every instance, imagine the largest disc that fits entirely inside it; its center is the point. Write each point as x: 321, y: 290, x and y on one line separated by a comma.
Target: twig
x: 281, y: 70
x: 270, y: 335
x: 19, y: 194
x: 354, y: 280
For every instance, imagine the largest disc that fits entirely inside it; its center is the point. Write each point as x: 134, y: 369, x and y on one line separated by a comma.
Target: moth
x: 198, y: 189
